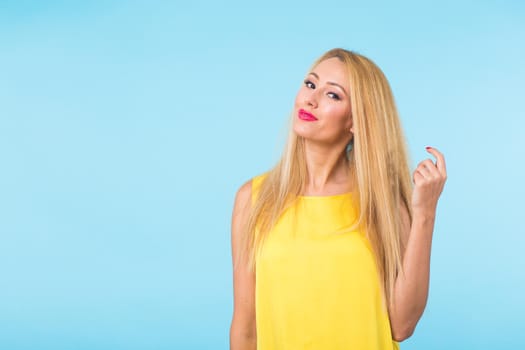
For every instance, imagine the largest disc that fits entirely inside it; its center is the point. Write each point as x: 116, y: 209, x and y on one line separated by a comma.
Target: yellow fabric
x: 317, y: 290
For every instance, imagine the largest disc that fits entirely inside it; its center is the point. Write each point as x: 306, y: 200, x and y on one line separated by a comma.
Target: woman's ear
x: 351, y: 129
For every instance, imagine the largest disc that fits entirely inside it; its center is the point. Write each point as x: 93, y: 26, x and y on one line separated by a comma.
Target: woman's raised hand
x: 429, y: 179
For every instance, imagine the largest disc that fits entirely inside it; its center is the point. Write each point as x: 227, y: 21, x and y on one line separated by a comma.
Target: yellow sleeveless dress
x: 317, y: 290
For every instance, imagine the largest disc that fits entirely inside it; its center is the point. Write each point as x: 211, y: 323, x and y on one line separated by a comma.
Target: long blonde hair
x: 378, y: 166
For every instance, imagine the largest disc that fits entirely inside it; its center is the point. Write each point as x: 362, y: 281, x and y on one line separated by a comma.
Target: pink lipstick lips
x: 304, y: 115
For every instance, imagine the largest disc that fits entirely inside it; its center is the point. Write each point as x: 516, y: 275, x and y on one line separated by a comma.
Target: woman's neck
x: 328, y: 170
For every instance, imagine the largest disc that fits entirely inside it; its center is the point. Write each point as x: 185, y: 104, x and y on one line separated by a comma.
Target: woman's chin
x: 303, y: 131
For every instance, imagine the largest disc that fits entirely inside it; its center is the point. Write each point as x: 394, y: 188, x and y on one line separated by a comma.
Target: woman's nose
x: 311, y: 99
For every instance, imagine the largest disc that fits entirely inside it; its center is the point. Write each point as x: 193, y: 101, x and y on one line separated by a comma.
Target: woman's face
x: 322, y: 110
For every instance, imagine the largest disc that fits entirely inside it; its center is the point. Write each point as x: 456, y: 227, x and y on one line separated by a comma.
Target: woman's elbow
x: 404, y: 325
x: 402, y: 334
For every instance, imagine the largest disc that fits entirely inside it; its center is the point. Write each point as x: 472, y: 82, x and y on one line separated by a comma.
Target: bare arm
x: 411, y: 288
x: 242, y: 331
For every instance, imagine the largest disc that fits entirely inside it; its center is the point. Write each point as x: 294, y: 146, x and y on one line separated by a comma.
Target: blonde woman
x: 331, y: 247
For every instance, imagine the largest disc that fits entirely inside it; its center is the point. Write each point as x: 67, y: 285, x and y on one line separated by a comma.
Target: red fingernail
x: 428, y: 147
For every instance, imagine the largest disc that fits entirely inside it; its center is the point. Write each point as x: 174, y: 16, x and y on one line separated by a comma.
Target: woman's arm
x: 411, y: 288
x: 242, y: 331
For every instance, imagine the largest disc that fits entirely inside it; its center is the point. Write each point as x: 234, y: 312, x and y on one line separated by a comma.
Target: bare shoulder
x: 245, y: 190
x: 241, y: 207
x: 243, y: 197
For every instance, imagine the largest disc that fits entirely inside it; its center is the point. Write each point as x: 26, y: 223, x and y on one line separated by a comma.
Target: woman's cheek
x: 336, y: 112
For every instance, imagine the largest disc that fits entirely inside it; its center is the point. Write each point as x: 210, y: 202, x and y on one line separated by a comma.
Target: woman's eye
x: 309, y: 84
x: 334, y: 96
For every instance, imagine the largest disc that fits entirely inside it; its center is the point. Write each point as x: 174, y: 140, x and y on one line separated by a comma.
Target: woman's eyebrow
x: 330, y: 83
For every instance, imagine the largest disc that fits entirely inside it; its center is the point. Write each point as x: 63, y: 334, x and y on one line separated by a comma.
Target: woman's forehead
x: 332, y: 70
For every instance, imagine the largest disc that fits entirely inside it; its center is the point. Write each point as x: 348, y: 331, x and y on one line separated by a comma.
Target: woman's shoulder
x: 258, y: 179
x: 251, y: 186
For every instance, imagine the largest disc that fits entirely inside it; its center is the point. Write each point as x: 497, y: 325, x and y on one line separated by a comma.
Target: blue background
x: 126, y: 128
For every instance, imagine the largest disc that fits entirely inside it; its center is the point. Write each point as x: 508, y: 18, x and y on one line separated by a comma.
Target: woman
x: 332, y: 246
